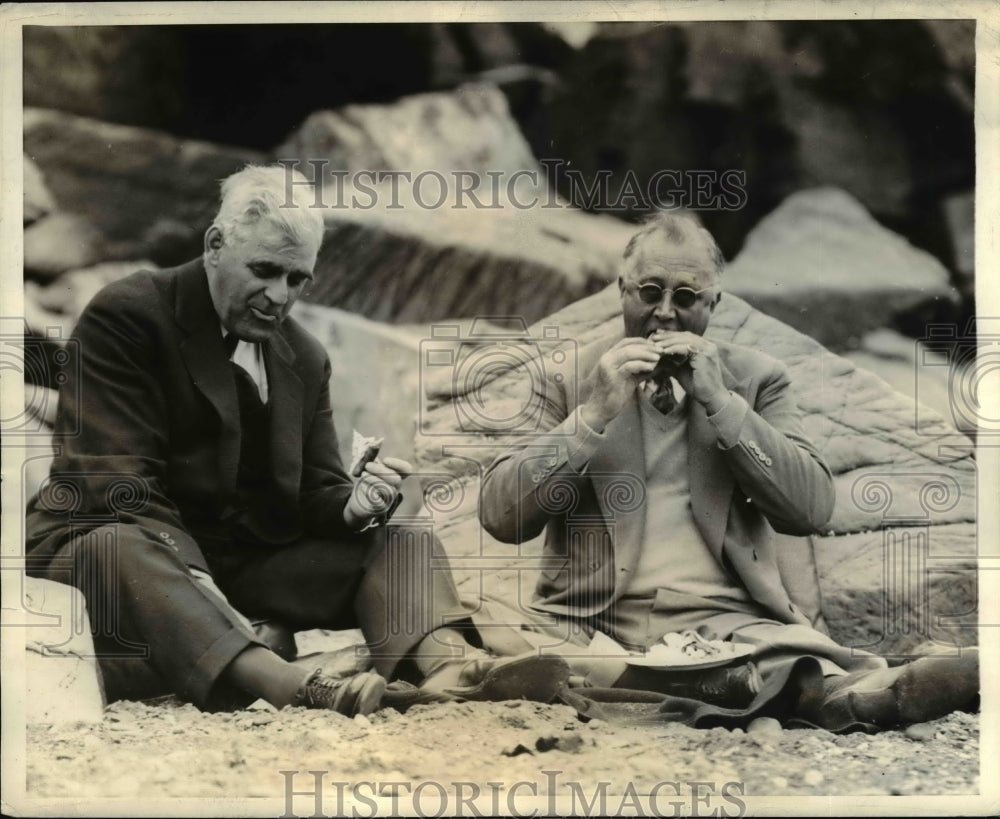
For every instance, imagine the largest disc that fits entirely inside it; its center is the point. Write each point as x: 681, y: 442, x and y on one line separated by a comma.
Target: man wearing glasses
x: 660, y: 481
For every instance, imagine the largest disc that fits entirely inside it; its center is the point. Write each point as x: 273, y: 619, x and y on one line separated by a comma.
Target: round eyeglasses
x: 683, y: 297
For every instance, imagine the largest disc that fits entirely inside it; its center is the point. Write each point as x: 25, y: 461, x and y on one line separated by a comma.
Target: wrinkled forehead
x: 657, y: 258
x: 265, y: 237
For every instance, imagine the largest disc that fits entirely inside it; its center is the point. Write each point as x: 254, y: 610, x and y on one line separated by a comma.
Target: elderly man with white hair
x: 206, y: 488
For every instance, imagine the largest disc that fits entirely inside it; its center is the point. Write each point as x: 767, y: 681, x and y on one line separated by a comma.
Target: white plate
x: 660, y: 656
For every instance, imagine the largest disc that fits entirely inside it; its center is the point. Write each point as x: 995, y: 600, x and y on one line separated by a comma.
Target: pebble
x: 921, y: 732
x: 765, y: 726
x: 262, y: 718
x: 361, y: 719
x: 812, y: 777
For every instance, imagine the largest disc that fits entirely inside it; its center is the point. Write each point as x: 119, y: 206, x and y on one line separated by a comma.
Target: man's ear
x: 213, y: 243
x: 715, y: 298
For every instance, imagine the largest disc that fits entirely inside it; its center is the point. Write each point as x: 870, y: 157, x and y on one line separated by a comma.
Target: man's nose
x: 277, y: 290
x: 665, y: 308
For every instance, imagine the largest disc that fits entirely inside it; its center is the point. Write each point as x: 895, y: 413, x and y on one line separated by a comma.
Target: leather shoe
x: 529, y: 676
x: 357, y: 694
x: 922, y: 690
x: 728, y: 686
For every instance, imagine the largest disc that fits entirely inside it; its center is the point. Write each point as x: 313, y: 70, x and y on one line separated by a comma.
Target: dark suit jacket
x: 160, y: 439
x: 771, y: 479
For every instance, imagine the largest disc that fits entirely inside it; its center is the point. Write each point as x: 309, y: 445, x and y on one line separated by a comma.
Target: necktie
x: 663, y: 398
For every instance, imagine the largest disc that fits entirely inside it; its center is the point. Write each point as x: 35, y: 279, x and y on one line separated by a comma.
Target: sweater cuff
x: 580, y: 448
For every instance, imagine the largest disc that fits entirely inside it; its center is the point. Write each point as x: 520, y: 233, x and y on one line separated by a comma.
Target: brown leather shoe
x: 357, y: 694
x: 729, y: 686
x: 922, y: 690
x: 494, y: 679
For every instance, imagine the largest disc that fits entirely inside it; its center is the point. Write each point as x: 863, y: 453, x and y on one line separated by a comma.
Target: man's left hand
x: 375, y: 492
x: 698, y: 371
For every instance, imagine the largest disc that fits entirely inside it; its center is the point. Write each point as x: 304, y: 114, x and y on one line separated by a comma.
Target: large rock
x: 468, y: 129
x: 374, y: 381
x: 37, y: 199
x: 59, y: 305
x: 960, y: 214
x: 126, y: 74
x: 889, y: 591
x: 148, y: 194
x: 182, y: 79
x: 908, y: 367
x: 895, y: 464
x: 823, y: 265
x: 427, y: 249
x: 61, y: 242
x: 863, y: 105
x: 63, y: 682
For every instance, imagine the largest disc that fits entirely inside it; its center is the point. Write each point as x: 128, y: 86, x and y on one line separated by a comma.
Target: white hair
x: 276, y: 193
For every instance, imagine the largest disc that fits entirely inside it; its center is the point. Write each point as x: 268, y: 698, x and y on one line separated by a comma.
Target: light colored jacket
x: 752, y: 472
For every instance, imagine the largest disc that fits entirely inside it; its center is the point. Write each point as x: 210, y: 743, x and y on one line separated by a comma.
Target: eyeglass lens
x: 683, y: 297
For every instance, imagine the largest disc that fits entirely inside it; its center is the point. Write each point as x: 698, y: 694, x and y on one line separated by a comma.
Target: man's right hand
x: 613, y: 380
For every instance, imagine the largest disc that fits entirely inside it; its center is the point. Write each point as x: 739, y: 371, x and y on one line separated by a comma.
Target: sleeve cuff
x: 728, y: 421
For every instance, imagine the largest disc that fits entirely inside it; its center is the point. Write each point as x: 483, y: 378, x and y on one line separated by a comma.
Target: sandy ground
x: 169, y: 749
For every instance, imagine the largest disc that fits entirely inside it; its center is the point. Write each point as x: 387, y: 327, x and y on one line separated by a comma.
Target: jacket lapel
x: 285, y: 399
x: 618, y: 475
x: 710, y: 480
x: 204, y: 356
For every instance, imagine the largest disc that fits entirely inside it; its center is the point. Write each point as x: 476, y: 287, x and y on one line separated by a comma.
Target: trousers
x: 154, y: 621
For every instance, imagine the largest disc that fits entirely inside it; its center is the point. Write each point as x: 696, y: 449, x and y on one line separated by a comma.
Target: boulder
x: 468, y: 129
x: 821, y: 264
x: 452, y: 241
x: 60, y: 304
x: 960, y: 215
x: 61, y: 241
x: 904, y: 364
x: 129, y: 74
x: 148, y: 194
x: 63, y: 682
x: 892, y: 591
x: 182, y: 79
x: 861, y: 105
x: 37, y: 199
x: 380, y: 406
x: 895, y: 463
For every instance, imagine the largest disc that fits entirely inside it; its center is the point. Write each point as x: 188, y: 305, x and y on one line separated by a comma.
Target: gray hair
x: 678, y: 229
x: 259, y: 193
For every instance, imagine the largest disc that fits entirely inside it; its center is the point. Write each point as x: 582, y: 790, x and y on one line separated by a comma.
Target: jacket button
x: 768, y: 461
